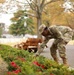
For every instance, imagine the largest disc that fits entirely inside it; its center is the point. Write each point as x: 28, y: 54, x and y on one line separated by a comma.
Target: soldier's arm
x: 41, y: 46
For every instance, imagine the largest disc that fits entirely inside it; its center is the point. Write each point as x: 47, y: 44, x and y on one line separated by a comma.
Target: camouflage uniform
x: 62, y: 35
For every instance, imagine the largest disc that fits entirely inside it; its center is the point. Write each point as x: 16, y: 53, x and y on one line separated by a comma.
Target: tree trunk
x: 39, y: 22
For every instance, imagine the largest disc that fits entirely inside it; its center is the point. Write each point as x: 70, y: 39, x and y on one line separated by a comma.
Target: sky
x: 5, y: 18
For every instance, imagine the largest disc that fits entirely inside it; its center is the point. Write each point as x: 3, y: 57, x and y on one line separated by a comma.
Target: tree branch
x: 30, y: 14
x: 30, y: 5
x: 42, y: 2
x: 50, y: 2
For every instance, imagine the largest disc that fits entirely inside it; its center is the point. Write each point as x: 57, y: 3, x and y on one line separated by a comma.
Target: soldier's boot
x: 65, y: 62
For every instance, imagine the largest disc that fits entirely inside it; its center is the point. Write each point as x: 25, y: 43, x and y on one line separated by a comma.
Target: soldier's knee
x: 62, y: 55
x: 61, y: 47
x: 53, y: 47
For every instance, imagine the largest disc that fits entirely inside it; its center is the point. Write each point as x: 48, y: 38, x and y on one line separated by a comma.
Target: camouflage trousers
x: 60, y: 46
x: 57, y: 45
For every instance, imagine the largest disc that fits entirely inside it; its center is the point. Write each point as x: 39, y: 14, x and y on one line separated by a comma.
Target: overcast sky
x: 5, y: 18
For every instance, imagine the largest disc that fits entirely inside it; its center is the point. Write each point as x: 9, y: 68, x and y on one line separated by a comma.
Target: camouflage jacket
x: 61, y: 32
x: 58, y: 32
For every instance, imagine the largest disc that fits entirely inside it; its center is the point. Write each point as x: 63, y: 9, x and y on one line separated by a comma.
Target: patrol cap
x: 41, y: 28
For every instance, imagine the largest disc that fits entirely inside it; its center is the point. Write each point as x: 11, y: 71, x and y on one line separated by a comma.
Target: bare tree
x: 38, y: 7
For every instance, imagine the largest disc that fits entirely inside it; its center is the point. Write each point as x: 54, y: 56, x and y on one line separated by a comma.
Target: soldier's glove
x: 37, y: 54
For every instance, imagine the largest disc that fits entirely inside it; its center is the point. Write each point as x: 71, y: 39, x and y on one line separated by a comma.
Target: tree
x: 60, y: 14
x: 38, y: 7
x: 20, y: 25
x: 56, y: 11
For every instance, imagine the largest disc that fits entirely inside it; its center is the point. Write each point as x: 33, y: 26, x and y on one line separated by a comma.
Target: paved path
x: 69, y: 52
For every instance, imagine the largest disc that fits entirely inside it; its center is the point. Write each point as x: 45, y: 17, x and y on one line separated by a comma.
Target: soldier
x: 61, y: 34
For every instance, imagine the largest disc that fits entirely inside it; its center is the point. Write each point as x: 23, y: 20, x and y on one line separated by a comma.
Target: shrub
x: 21, y: 62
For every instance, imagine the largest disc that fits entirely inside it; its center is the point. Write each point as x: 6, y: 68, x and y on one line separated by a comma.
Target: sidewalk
x: 69, y: 52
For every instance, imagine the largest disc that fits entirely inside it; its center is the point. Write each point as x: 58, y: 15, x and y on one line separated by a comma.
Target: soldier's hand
x: 36, y: 54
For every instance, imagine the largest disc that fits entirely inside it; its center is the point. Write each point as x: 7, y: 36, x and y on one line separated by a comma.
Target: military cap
x: 41, y: 28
